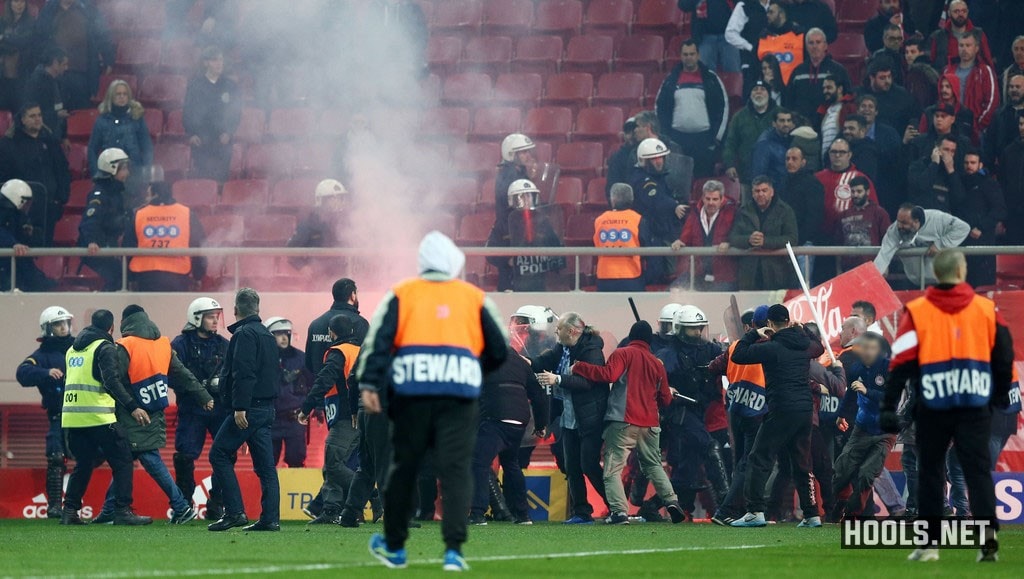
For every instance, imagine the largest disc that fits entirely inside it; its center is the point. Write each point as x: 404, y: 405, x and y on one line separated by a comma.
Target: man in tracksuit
x: 331, y: 390
x: 640, y: 388
x: 786, y: 359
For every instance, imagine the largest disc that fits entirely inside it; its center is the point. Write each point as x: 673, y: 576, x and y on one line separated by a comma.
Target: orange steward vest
x: 167, y: 227
x: 148, y: 364
x: 746, y: 387
x: 788, y: 49
x: 617, y: 229
x: 332, y: 400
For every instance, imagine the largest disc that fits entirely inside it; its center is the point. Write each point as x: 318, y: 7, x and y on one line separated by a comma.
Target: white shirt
x: 737, y: 21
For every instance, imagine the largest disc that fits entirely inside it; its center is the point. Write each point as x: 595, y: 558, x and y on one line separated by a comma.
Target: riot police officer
x: 287, y: 434
x: 517, y: 162
x: 323, y: 226
x: 202, y: 351
x: 531, y: 227
x: 106, y: 216
x: 653, y: 200
x: 44, y: 369
x: 17, y: 233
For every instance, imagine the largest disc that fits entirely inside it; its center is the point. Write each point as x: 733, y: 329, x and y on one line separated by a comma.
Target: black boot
x: 327, y: 517
x: 717, y: 475
x: 71, y: 517
x: 185, y: 475
x: 499, y: 508
x: 54, y: 486
x: 376, y: 506
x: 348, y: 519
x: 214, y: 510
x: 650, y: 510
x: 126, y: 516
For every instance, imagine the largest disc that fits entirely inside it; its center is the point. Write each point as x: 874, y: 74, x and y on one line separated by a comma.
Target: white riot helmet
x: 52, y: 315
x: 329, y: 188
x: 690, y: 317
x: 513, y: 144
x: 17, y: 192
x: 667, y: 319
x: 539, y: 318
x: 110, y: 160
x: 650, y: 149
x: 278, y: 324
x: 522, y: 194
x: 197, y: 309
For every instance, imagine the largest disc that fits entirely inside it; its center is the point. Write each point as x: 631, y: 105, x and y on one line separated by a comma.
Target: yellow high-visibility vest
x: 86, y: 401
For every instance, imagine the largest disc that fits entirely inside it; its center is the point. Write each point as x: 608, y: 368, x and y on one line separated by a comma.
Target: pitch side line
x: 354, y: 565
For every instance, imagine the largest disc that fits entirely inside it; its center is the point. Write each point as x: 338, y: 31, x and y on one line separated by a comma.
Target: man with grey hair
x: 620, y: 227
x: 249, y: 386
x: 804, y: 93
x: 710, y: 226
x: 853, y: 328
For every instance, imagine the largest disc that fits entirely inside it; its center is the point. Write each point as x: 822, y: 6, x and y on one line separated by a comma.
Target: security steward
x: 620, y: 227
x: 93, y: 387
x: 954, y: 349
x: 44, y: 369
x: 106, y: 215
x: 330, y: 390
x: 432, y: 339
x: 165, y: 224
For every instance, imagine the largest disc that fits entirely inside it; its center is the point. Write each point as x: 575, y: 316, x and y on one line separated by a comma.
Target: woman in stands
x: 121, y: 125
x: 771, y: 74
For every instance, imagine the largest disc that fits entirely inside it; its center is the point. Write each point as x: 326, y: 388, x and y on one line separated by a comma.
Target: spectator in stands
x: 808, y: 140
x: 1003, y: 129
x: 106, y: 216
x: 44, y: 88
x: 916, y: 227
x: 920, y: 78
x: 16, y: 233
x: 1017, y: 67
x: 782, y: 39
x: 163, y: 223
x: 693, y: 105
x: 767, y: 223
x: 836, y: 180
x: 810, y: 14
x: 620, y: 227
x: 1011, y: 177
x: 934, y: 180
x: 17, y: 54
x: 805, y: 195
x: 622, y: 161
x: 212, y: 111
x: 865, y: 154
x: 653, y: 200
x: 517, y: 162
x: 979, y: 87
x: 896, y: 107
x: 890, y: 12
x: 748, y: 19
x: 803, y: 91
x: 78, y: 28
x: 709, y: 226
x: 708, y: 20
x: 944, y: 42
x: 838, y: 103
x: 30, y: 152
x: 771, y: 75
x: 949, y: 97
x: 745, y: 128
x: 984, y: 209
x: 769, y: 156
x: 892, y: 172
x: 678, y: 167
x: 862, y: 224
x: 892, y: 47
x: 121, y: 124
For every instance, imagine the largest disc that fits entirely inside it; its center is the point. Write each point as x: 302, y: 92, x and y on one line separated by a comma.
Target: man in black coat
x: 786, y: 360
x: 984, y: 209
x: 889, y: 12
x: 896, y: 107
x: 249, y: 386
x: 318, y: 338
x: 806, y: 195
x: 803, y: 93
x: 808, y: 14
x: 43, y: 89
x: 1011, y: 177
x: 581, y: 404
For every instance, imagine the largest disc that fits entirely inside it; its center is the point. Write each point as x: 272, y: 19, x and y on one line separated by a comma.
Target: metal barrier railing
x: 576, y: 253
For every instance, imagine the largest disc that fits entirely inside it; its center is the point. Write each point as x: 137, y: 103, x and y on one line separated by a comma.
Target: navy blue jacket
x: 106, y: 214
x: 868, y: 405
x: 652, y: 199
x: 251, y: 366
x: 295, y: 382
x: 34, y: 372
x: 204, y: 357
x: 124, y: 128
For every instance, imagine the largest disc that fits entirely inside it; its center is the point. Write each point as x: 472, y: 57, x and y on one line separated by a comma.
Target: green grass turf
x: 43, y: 548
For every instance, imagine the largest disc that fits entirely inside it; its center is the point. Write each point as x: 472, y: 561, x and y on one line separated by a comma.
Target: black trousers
x: 780, y: 499
x: 788, y: 432
x: 162, y: 281
x: 374, y: 459
x: 448, y: 427
x: 969, y: 430
x: 501, y: 440
x: 108, y: 268
x: 90, y: 447
x: 582, y: 458
x: 744, y: 431
x: 860, y: 463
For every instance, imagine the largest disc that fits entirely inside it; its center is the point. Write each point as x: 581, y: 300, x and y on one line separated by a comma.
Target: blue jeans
x: 227, y: 442
x: 716, y: 53
x: 957, y: 485
x: 154, y: 465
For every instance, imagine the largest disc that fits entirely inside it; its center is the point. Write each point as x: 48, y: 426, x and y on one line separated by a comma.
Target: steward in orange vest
x: 165, y: 224
x: 620, y: 227
x: 954, y: 349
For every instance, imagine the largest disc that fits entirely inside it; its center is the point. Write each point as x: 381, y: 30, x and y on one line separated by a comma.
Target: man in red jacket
x: 640, y: 388
x: 709, y: 226
x: 979, y: 85
x: 943, y: 42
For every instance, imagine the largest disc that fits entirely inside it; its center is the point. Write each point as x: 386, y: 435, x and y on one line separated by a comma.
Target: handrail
x: 574, y: 252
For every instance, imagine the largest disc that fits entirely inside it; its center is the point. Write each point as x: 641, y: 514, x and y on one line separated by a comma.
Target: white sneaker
x: 924, y: 555
x: 750, y: 520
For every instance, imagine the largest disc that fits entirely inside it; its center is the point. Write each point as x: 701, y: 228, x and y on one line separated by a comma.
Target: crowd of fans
x: 813, y: 155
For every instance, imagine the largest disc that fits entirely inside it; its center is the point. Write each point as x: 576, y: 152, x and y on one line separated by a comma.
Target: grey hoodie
x: 939, y: 228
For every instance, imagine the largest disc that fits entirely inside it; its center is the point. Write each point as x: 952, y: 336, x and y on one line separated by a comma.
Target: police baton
x: 632, y: 306
x: 807, y: 296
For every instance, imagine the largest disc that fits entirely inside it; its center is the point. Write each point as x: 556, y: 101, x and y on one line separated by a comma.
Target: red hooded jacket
x: 639, y: 384
x: 964, y: 125
x: 723, y: 268
x: 981, y: 95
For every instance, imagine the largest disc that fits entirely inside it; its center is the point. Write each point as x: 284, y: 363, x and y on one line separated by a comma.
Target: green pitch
x: 43, y: 548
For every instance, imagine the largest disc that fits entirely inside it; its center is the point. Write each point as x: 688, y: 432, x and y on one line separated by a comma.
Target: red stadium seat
x: 494, y: 124
x: 151, y: 18
x: 591, y: 54
x: 293, y: 123
x: 848, y: 46
x: 572, y: 89
x: 733, y: 82
x: 106, y: 79
x: 154, y: 122
x: 508, y: 17
x: 583, y: 159
x: 223, y: 231
x: 237, y: 165
x: 672, y: 53
x: 139, y: 54
x: 601, y: 124
x: 311, y: 159
x: 654, y: 83
x: 163, y: 90
x: 80, y: 125
x: 538, y: 54
x: 549, y: 123
x: 292, y: 194
x: 491, y: 54
x: 476, y: 158
x: 333, y: 123
x: 79, y: 195
x: 457, y: 16
x: 446, y: 122
x: 443, y: 53
x: 595, y: 199
x: 176, y: 159
x: 431, y: 89
x: 65, y: 233
x: 460, y: 196
x: 179, y: 56
x: 611, y: 17
x: 200, y: 195
x: 252, y: 125
x: 121, y: 15
x: 174, y: 129
x: 480, y: 273
x: 661, y: 17
x: 474, y: 229
x: 248, y: 195
x: 6, y: 120
x: 621, y: 89
x: 268, y: 231
x: 579, y: 230
x: 544, y: 153
x: 569, y: 194
x: 562, y: 17
x: 468, y: 88
x: 522, y: 89
x: 640, y: 53
x: 1010, y: 270
x: 854, y: 14
x: 78, y: 161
